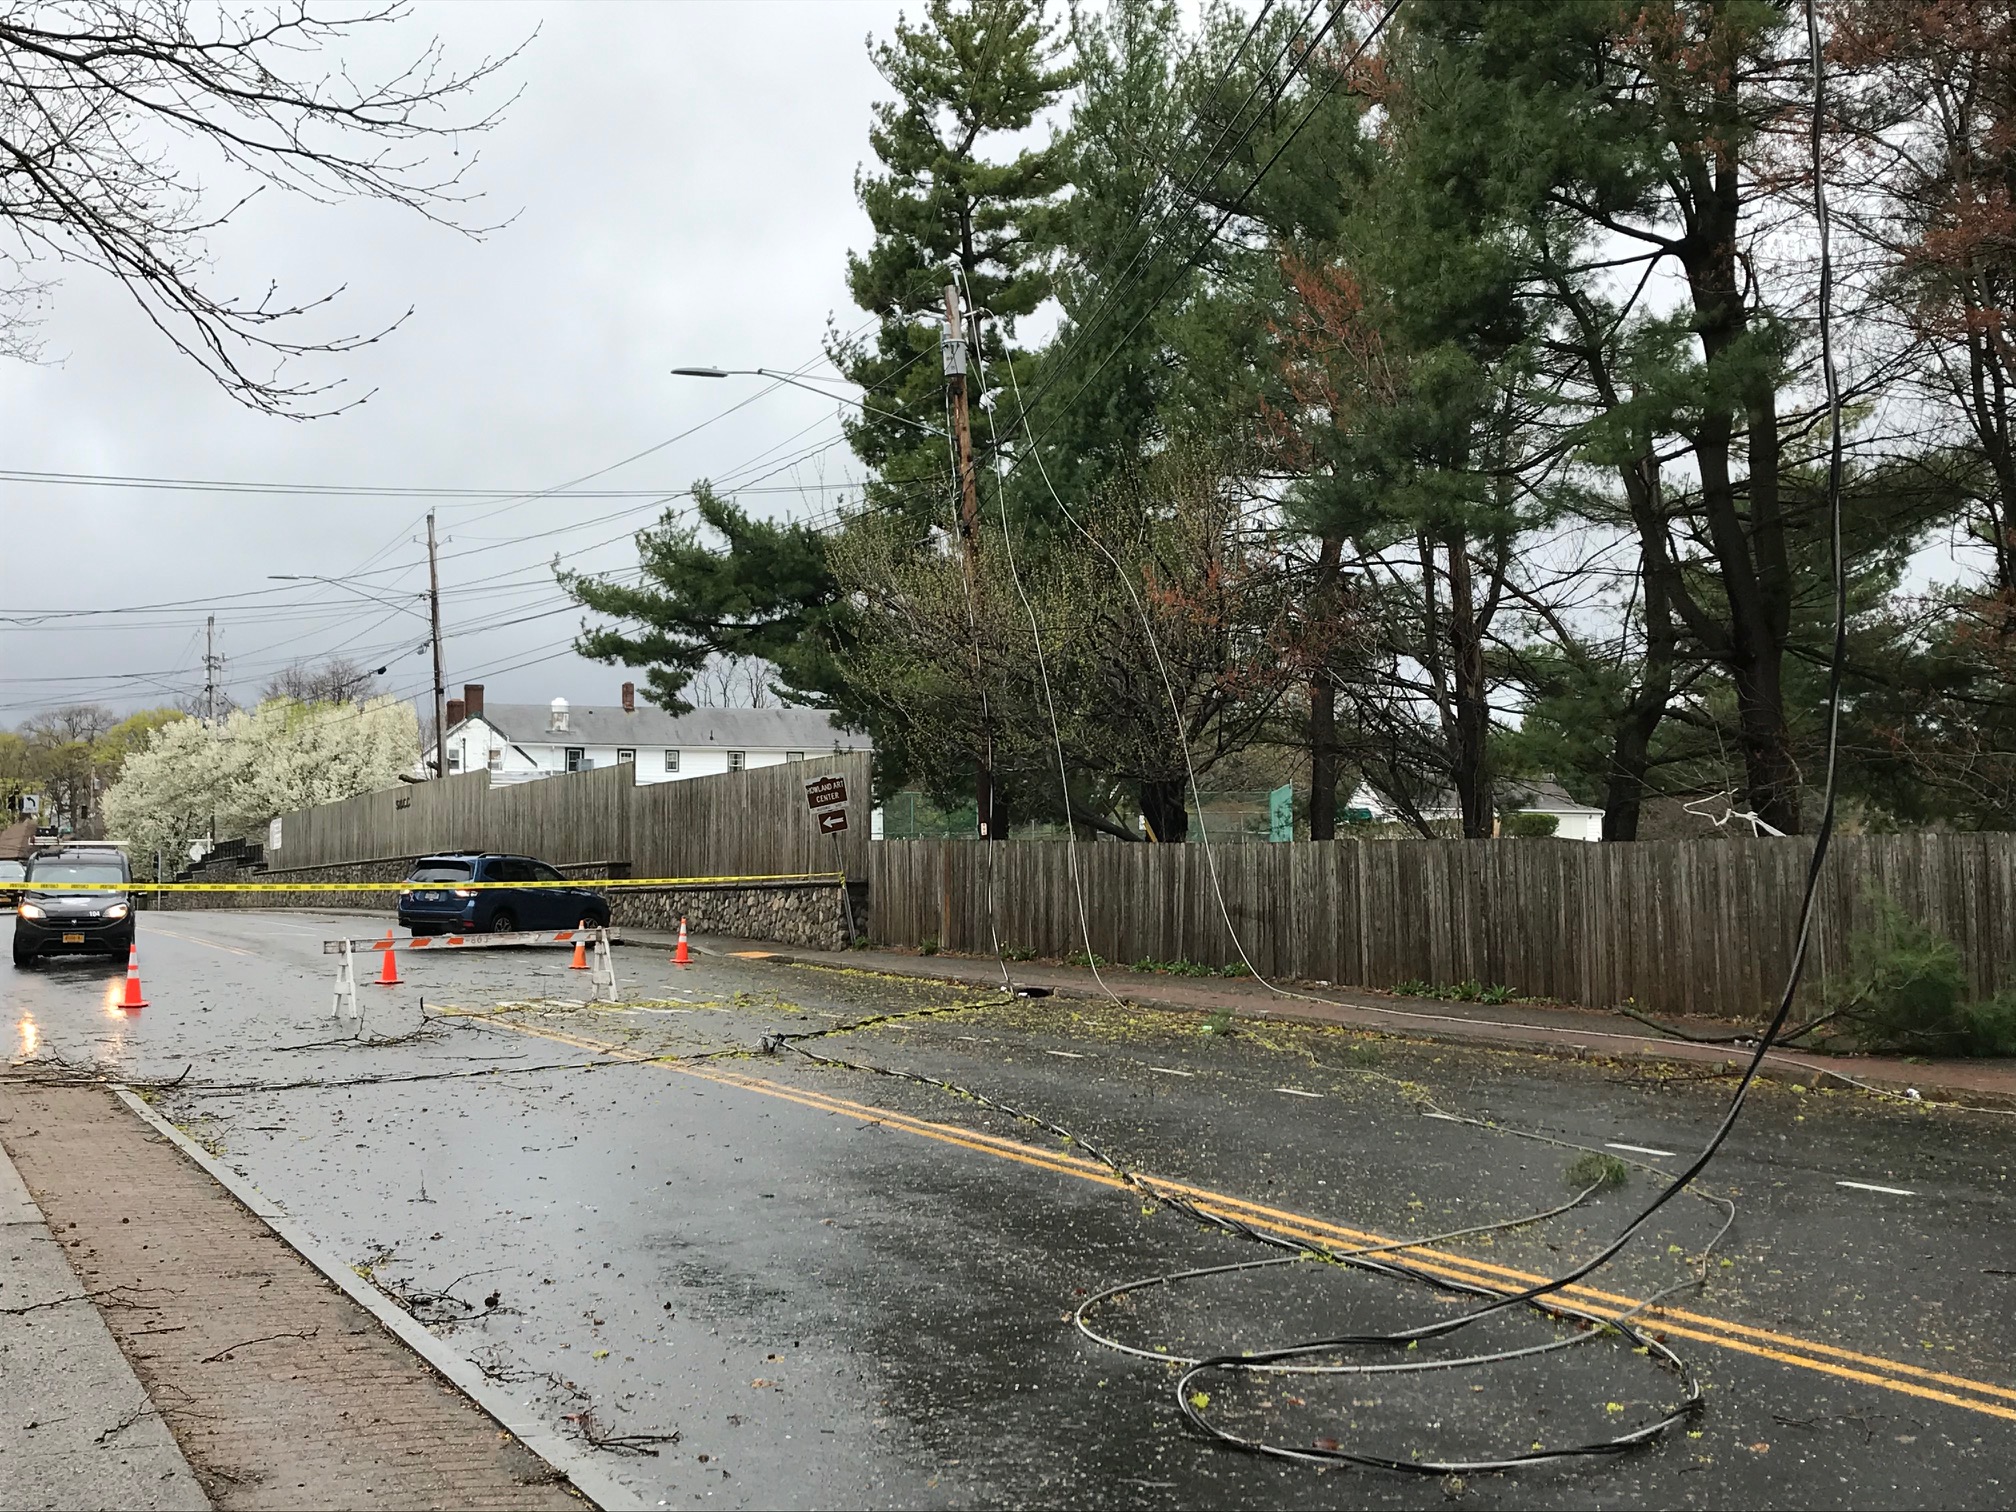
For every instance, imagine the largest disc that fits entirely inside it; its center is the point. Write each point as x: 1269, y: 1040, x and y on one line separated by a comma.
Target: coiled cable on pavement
x: 1384, y: 1260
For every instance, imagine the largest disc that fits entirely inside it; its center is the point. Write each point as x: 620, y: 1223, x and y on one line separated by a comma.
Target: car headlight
x: 33, y: 911
x: 118, y: 910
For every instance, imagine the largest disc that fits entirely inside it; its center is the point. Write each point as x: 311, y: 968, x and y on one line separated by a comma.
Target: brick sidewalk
x: 282, y: 1392
x: 1548, y: 1028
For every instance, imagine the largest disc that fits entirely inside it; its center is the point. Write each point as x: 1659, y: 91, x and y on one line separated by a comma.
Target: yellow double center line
x: 1786, y: 1349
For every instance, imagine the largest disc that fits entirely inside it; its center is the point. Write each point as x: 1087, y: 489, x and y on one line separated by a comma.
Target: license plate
x: 73, y: 939
x: 429, y: 897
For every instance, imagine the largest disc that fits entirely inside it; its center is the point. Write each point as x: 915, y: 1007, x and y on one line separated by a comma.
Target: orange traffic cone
x: 580, y: 961
x: 388, y: 974
x: 133, y: 998
x: 682, y: 955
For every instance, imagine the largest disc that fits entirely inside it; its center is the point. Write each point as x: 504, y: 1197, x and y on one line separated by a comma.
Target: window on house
x: 737, y: 760
x: 496, y: 758
x: 455, y: 759
x: 574, y: 755
x: 794, y: 755
x: 671, y: 761
x: 626, y: 755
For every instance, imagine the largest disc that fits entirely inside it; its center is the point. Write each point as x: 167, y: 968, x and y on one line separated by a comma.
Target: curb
x: 1558, y: 1043
x: 582, y: 1473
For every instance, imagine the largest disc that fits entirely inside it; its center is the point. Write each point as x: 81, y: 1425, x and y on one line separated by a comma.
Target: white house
x: 520, y: 742
x: 1539, y: 795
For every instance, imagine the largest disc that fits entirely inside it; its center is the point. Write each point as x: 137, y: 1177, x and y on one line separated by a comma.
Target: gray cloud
x: 681, y: 178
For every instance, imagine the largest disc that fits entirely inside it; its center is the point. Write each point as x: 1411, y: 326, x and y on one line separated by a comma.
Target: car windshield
x: 12, y: 871
x: 442, y: 871
x: 46, y: 872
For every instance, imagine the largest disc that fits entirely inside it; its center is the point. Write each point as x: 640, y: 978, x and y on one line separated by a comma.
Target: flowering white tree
x: 245, y: 769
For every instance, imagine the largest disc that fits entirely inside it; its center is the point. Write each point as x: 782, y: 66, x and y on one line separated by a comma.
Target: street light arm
x: 796, y: 382
x: 305, y: 577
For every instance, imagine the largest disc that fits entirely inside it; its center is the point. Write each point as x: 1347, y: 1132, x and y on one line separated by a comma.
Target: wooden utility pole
x: 969, y: 532
x: 962, y: 433
x: 210, y: 665
x: 440, y: 689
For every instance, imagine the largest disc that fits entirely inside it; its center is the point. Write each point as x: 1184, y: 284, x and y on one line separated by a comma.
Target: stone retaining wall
x: 789, y: 913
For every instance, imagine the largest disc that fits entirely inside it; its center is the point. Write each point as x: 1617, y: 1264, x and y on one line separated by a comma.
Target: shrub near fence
x: 1682, y: 927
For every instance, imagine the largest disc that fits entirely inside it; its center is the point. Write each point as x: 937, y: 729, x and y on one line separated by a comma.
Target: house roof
x: 734, y: 729
x: 1540, y: 795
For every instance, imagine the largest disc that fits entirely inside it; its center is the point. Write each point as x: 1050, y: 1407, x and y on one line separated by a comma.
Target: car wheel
x: 23, y: 959
x: 503, y: 922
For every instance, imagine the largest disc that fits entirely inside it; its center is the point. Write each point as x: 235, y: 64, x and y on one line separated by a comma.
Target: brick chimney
x: 472, y: 699
x: 629, y: 698
x: 457, y: 708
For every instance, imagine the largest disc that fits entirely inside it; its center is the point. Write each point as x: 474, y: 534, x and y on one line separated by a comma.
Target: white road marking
x: 1297, y: 1092
x: 1639, y: 1149
x: 1171, y: 1071
x: 1864, y: 1186
x: 1067, y: 1054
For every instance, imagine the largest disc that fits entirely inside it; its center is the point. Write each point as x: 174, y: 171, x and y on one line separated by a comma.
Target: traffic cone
x: 133, y: 999
x: 388, y: 974
x: 682, y: 955
x: 580, y: 961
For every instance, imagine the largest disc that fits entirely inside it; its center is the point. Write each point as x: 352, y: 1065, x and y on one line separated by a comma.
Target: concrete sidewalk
x: 79, y: 1431
x: 1547, y: 1028
x: 280, y: 1390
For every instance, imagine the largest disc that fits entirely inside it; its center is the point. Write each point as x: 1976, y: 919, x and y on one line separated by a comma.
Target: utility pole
x: 969, y: 531
x: 440, y: 690
x: 211, y: 664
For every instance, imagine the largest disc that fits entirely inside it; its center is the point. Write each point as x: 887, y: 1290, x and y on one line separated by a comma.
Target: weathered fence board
x: 1695, y: 926
x: 747, y: 823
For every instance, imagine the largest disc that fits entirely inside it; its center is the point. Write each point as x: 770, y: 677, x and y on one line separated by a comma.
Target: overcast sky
x: 682, y: 180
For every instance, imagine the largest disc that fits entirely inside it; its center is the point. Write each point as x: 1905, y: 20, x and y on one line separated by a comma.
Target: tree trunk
x: 1469, y: 757
x: 1163, y: 808
x: 1323, y: 705
x: 1746, y: 534
x: 1631, y: 747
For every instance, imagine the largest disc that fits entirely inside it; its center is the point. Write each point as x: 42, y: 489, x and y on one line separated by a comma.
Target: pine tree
x: 947, y: 206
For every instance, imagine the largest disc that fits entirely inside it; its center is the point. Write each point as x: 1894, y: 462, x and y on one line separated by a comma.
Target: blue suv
x: 437, y: 898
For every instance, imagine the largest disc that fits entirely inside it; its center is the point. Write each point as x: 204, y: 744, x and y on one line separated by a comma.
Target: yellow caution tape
x: 140, y: 886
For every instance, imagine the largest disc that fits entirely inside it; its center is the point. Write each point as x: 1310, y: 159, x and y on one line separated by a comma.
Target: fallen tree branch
x: 225, y: 1353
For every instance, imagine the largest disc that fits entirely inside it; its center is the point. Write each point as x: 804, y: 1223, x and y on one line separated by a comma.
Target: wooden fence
x: 748, y: 823
x: 1693, y: 926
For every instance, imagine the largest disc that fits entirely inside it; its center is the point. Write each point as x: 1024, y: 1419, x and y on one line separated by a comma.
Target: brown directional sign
x: 826, y: 792
x: 832, y: 821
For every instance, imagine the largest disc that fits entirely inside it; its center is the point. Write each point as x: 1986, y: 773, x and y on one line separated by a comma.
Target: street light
x: 796, y: 382
x: 305, y: 577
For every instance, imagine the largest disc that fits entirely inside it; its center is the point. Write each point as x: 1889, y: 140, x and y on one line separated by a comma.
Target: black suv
x: 50, y: 920
x: 436, y: 897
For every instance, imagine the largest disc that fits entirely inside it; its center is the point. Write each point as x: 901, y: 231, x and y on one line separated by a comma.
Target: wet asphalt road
x: 839, y: 1288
